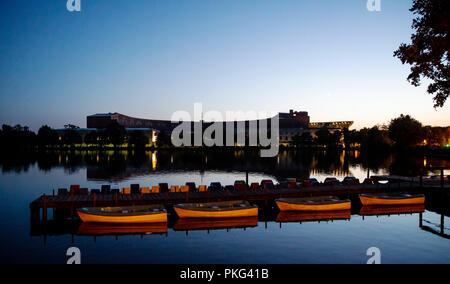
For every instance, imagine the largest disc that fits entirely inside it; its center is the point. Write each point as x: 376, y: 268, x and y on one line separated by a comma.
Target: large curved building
x: 291, y: 124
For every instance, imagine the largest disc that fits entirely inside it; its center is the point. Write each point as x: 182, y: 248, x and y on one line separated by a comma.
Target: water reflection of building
x: 123, y: 165
x: 150, y: 133
x: 292, y: 124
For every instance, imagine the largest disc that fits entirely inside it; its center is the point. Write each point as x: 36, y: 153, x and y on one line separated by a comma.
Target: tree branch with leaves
x: 428, y: 54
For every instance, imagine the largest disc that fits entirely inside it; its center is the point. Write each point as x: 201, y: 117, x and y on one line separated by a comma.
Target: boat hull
x: 137, y: 219
x: 293, y: 216
x: 367, y: 200
x: 184, y: 224
x: 100, y: 229
x: 192, y: 213
x: 389, y: 210
x: 289, y: 206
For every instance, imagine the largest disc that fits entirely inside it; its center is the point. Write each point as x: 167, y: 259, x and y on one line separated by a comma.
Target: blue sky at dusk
x: 150, y: 58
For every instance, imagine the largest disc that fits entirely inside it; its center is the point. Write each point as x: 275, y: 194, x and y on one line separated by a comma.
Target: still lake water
x: 400, y: 238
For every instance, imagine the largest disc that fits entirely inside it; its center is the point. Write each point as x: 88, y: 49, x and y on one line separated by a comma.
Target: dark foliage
x: 428, y: 54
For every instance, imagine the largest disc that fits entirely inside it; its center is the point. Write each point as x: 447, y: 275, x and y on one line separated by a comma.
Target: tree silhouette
x: 137, y: 139
x: 47, y: 136
x: 323, y: 136
x: 115, y: 133
x: 374, y: 139
x: 17, y: 137
x: 405, y: 131
x: 91, y: 138
x: 428, y: 54
x: 71, y: 137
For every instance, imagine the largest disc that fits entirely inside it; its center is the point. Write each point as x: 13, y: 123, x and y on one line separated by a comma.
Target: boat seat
x: 191, y: 186
x: 62, y: 191
x: 106, y: 189
x: 126, y: 190
x: 75, y: 189
x: 254, y: 186
x: 184, y: 188
x: 135, y: 189
x: 156, y: 189
x: 145, y: 190
x: 96, y: 191
x: 202, y: 188
x: 163, y: 187
x: 229, y: 187
x: 174, y: 188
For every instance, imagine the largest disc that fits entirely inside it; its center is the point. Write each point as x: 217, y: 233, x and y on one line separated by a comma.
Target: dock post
x: 44, y: 209
x: 442, y: 223
x: 71, y: 204
x: 420, y: 220
x: 187, y: 195
x: 94, y: 199
x: 246, y: 178
x: 116, y: 198
x: 208, y: 195
x: 442, y: 178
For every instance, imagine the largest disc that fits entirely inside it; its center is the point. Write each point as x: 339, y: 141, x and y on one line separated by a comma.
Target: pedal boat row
x: 239, y: 209
x: 157, y: 213
x: 331, y: 203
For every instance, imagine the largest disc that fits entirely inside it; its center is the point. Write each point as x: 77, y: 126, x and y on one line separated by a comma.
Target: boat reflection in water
x: 391, y: 210
x: 291, y: 216
x: 104, y: 229
x: 191, y: 224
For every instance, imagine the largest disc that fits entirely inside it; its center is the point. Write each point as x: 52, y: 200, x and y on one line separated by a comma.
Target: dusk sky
x: 149, y: 59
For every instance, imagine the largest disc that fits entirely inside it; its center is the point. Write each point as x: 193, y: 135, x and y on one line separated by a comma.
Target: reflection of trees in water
x: 375, y: 160
x: 300, y: 163
x: 19, y: 162
x: 332, y: 162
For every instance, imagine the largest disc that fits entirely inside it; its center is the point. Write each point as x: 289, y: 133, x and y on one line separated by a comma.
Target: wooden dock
x: 72, y: 202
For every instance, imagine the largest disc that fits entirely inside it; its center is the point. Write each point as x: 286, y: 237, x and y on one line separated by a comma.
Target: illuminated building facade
x: 291, y: 124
